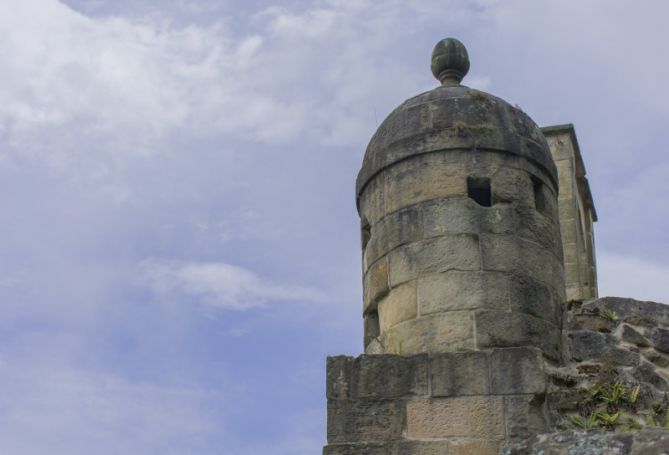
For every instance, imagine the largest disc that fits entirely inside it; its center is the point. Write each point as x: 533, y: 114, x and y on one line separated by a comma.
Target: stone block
x: 594, y: 322
x: 660, y: 338
x: 540, y: 229
x: 474, y: 447
x: 460, y: 374
x: 364, y: 420
x: 656, y: 358
x: 466, y: 417
x: 338, y: 377
x: 586, y: 345
x: 647, y: 373
x: 396, y: 229
x: 422, y: 178
x: 570, y: 253
x: 498, y: 219
x: 495, y: 329
x: 375, y: 284
x: 455, y: 215
x: 505, y: 253
x: 570, y: 230
x: 371, y: 328
x: 364, y: 448
x: 517, y: 371
x: 398, y: 306
x: 622, y: 357
x: 374, y: 346
x: 511, y: 185
x: 371, y: 202
x: 527, y: 295
x: 443, y: 332
x: 452, y: 252
x: 423, y: 448
x: 572, y: 274
x: 457, y: 290
x: 635, y: 312
x: 524, y: 416
x: 389, y: 376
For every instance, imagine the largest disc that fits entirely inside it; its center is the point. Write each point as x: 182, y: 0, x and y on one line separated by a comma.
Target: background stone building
x: 577, y: 213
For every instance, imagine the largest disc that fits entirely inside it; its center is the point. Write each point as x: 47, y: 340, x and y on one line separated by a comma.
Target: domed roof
x: 452, y: 117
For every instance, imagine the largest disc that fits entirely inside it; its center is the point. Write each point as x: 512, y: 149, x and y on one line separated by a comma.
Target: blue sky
x: 179, y: 247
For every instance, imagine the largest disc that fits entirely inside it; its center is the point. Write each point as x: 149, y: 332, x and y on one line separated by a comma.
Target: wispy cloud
x: 218, y: 284
x: 66, y: 411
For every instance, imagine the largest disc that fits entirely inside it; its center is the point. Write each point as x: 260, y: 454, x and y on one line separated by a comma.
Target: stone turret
x: 461, y: 243
x: 471, y: 347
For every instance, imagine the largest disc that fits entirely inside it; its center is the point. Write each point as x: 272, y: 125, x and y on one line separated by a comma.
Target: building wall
x: 577, y: 214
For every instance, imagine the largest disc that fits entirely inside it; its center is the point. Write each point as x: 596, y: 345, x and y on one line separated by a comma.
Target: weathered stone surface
x: 371, y: 328
x: 443, y: 332
x: 540, y: 229
x: 423, y: 448
x: 585, y: 345
x: 409, y: 447
x: 396, y: 229
x: 634, y: 312
x: 371, y: 202
x: 469, y: 417
x: 389, y: 376
x: 631, y: 335
x: 422, y: 178
x: 365, y: 448
x: 473, y: 447
x: 504, y: 329
x: 646, y: 373
x: 517, y: 371
x: 594, y: 322
x: 450, y: 118
x: 508, y: 254
x: 375, y: 285
x: 453, y: 252
x: 512, y: 185
x: 364, y: 420
x: 398, y: 306
x: 460, y: 374
x: 338, y: 376
x: 524, y: 416
x: 456, y: 215
x: 660, y: 339
x: 527, y: 295
x: 657, y: 358
x: 457, y: 290
x: 618, y: 356
x: 645, y: 442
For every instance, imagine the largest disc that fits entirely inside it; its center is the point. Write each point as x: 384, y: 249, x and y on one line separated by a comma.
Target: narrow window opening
x: 479, y: 190
x: 365, y: 233
x: 372, y: 327
x: 539, y: 196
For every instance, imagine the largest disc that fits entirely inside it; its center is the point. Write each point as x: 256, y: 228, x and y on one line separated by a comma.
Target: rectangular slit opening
x: 539, y: 195
x: 478, y: 189
x: 372, y: 327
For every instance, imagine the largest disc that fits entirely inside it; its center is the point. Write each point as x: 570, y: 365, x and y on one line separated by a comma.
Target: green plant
x: 610, y: 315
x: 584, y: 423
x: 607, y: 420
x: 605, y: 403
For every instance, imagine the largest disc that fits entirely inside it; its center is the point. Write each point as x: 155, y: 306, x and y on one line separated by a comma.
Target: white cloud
x: 627, y: 276
x: 217, y: 284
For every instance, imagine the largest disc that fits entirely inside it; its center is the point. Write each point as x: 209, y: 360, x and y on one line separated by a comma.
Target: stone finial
x: 450, y: 61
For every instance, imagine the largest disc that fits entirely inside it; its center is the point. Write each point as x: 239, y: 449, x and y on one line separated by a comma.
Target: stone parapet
x: 468, y: 402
